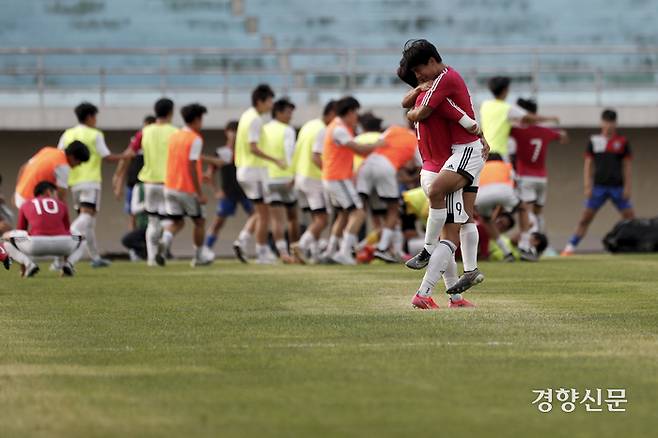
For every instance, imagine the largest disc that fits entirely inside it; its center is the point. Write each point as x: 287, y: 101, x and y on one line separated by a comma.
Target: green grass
x: 286, y: 351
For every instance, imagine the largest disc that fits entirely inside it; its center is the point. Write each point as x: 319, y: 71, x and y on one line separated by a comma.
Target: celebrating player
x: 308, y: 182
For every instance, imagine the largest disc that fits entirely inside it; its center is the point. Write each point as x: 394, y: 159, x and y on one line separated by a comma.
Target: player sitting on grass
x: 43, y: 230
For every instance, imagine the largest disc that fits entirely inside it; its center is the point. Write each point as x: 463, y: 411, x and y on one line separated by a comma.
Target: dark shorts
x: 127, y: 201
x: 600, y: 194
x: 226, y: 207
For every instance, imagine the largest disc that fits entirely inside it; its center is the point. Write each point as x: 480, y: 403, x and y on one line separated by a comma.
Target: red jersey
x: 136, y: 143
x: 531, y: 144
x: 44, y: 216
x: 450, y: 85
x: 434, y: 134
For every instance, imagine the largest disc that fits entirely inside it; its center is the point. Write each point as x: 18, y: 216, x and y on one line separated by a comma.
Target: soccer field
x: 237, y: 350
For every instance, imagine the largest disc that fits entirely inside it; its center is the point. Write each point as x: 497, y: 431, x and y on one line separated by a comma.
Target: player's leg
x: 292, y: 216
x: 154, y: 206
x: 247, y: 232
x: 18, y: 246
x: 88, y: 203
x: 597, y: 198
x: 441, y: 257
x: 356, y: 217
x: 308, y: 244
x: 622, y: 204
x: 387, y: 189
x: 225, y: 208
x: 278, y: 218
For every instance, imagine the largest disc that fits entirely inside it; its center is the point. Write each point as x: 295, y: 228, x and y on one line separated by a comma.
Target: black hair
x: 609, y: 115
x: 329, y: 108
x: 529, y: 105
x: 149, y: 119
x: 232, y: 125
x: 495, y: 156
x: 42, y: 187
x: 84, y: 110
x: 261, y: 93
x: 418, y: 52
x: 498, y: 85
x: 370, y: 122
x: 192, y: 112
x: 78, y: 150
x: 509, y: 217
x: 163, y: 108
x: 347, y: 104
x: 406, y: 75
x: 542, y: 242
x: 281, y: 105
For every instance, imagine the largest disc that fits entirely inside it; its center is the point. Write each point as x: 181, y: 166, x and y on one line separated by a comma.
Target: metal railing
x: 544, y: 68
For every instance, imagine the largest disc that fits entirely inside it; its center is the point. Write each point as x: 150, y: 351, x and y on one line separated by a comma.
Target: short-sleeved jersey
x: 531, y: 147
x: 608, y: 155
x: 434, y: 134
x: 49, y: 164
x: 450, y: 85
x: 44, y: 216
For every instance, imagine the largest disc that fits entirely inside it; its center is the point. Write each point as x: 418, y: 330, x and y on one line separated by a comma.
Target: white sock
x: 502, y: 244
x: 153, y: 232
x: 450, y: 276
x: 469, y: 239
x: 443, y: 253
x: 91, y: 239
x: 306, y: 240
x: 347, y: 244
x: 314, y: 248
x: 244, y: 237
x: 198, y: 252
x: 541, y: 223
x: 282, y: 247
x: 435, y: 221
x: 524, y: 241
x: 333, y: 243
x: 17, y: 255
x: 385, y: 239
x: 261, y: 250
x: 398, y: 241
x: 167, y: 238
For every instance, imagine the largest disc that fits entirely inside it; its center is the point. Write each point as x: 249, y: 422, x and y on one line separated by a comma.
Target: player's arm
x: 289, y: 145
x: 409, y: 99
x: 317, y: 159
x: 438, y: 91
x: 587, y: 175
x: 564, y: 137
x: 254, y: 136
x: 419, y: 113
x: 318, y: 147
x: 533, y: 119
x: 214, y: 163
x: 194, y: 156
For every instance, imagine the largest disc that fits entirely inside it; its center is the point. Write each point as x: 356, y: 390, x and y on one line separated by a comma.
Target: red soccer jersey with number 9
x: 44, y: 216
x: 531, y: 144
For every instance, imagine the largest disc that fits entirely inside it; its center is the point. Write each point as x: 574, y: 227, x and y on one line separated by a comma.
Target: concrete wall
x: 563, y: 207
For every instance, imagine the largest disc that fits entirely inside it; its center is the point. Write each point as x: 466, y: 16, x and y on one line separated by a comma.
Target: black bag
x: 634, y: 235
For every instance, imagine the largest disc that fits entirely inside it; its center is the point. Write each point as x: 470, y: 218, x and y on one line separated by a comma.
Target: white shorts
x: 40, y: 246
x: 492, y: 195
x: 342, y: 194
x: 253, y: 181
x: 154, y: 203
x: 310, y: 193
x: 466, y: 160
x: 454, y: 201
x: 281, y: 193
x: 179, y: 204
x: 533, y: 189
x: 86, y: 197
x: 377, y: 175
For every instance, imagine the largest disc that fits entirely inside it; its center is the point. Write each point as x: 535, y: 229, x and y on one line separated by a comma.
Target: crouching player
x: 43, y: 230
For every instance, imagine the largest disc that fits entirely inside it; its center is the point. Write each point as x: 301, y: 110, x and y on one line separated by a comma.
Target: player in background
x: 279, y: 143
x: 183, y: 193
x: 43, y: 229
x: 497, y: 191
x: 250, y: 161
x: 125, y: 176
x: 607, y: 175
x: 154, y: 147
x: 497, y: 116
x: 85, y: 179
x: 337, y: 176
x: 529, y: 159
x: 229, y: 195
x: 460, y: 172
x: 52, y: 165
x: 378, y: 175
x: 308, y: 183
